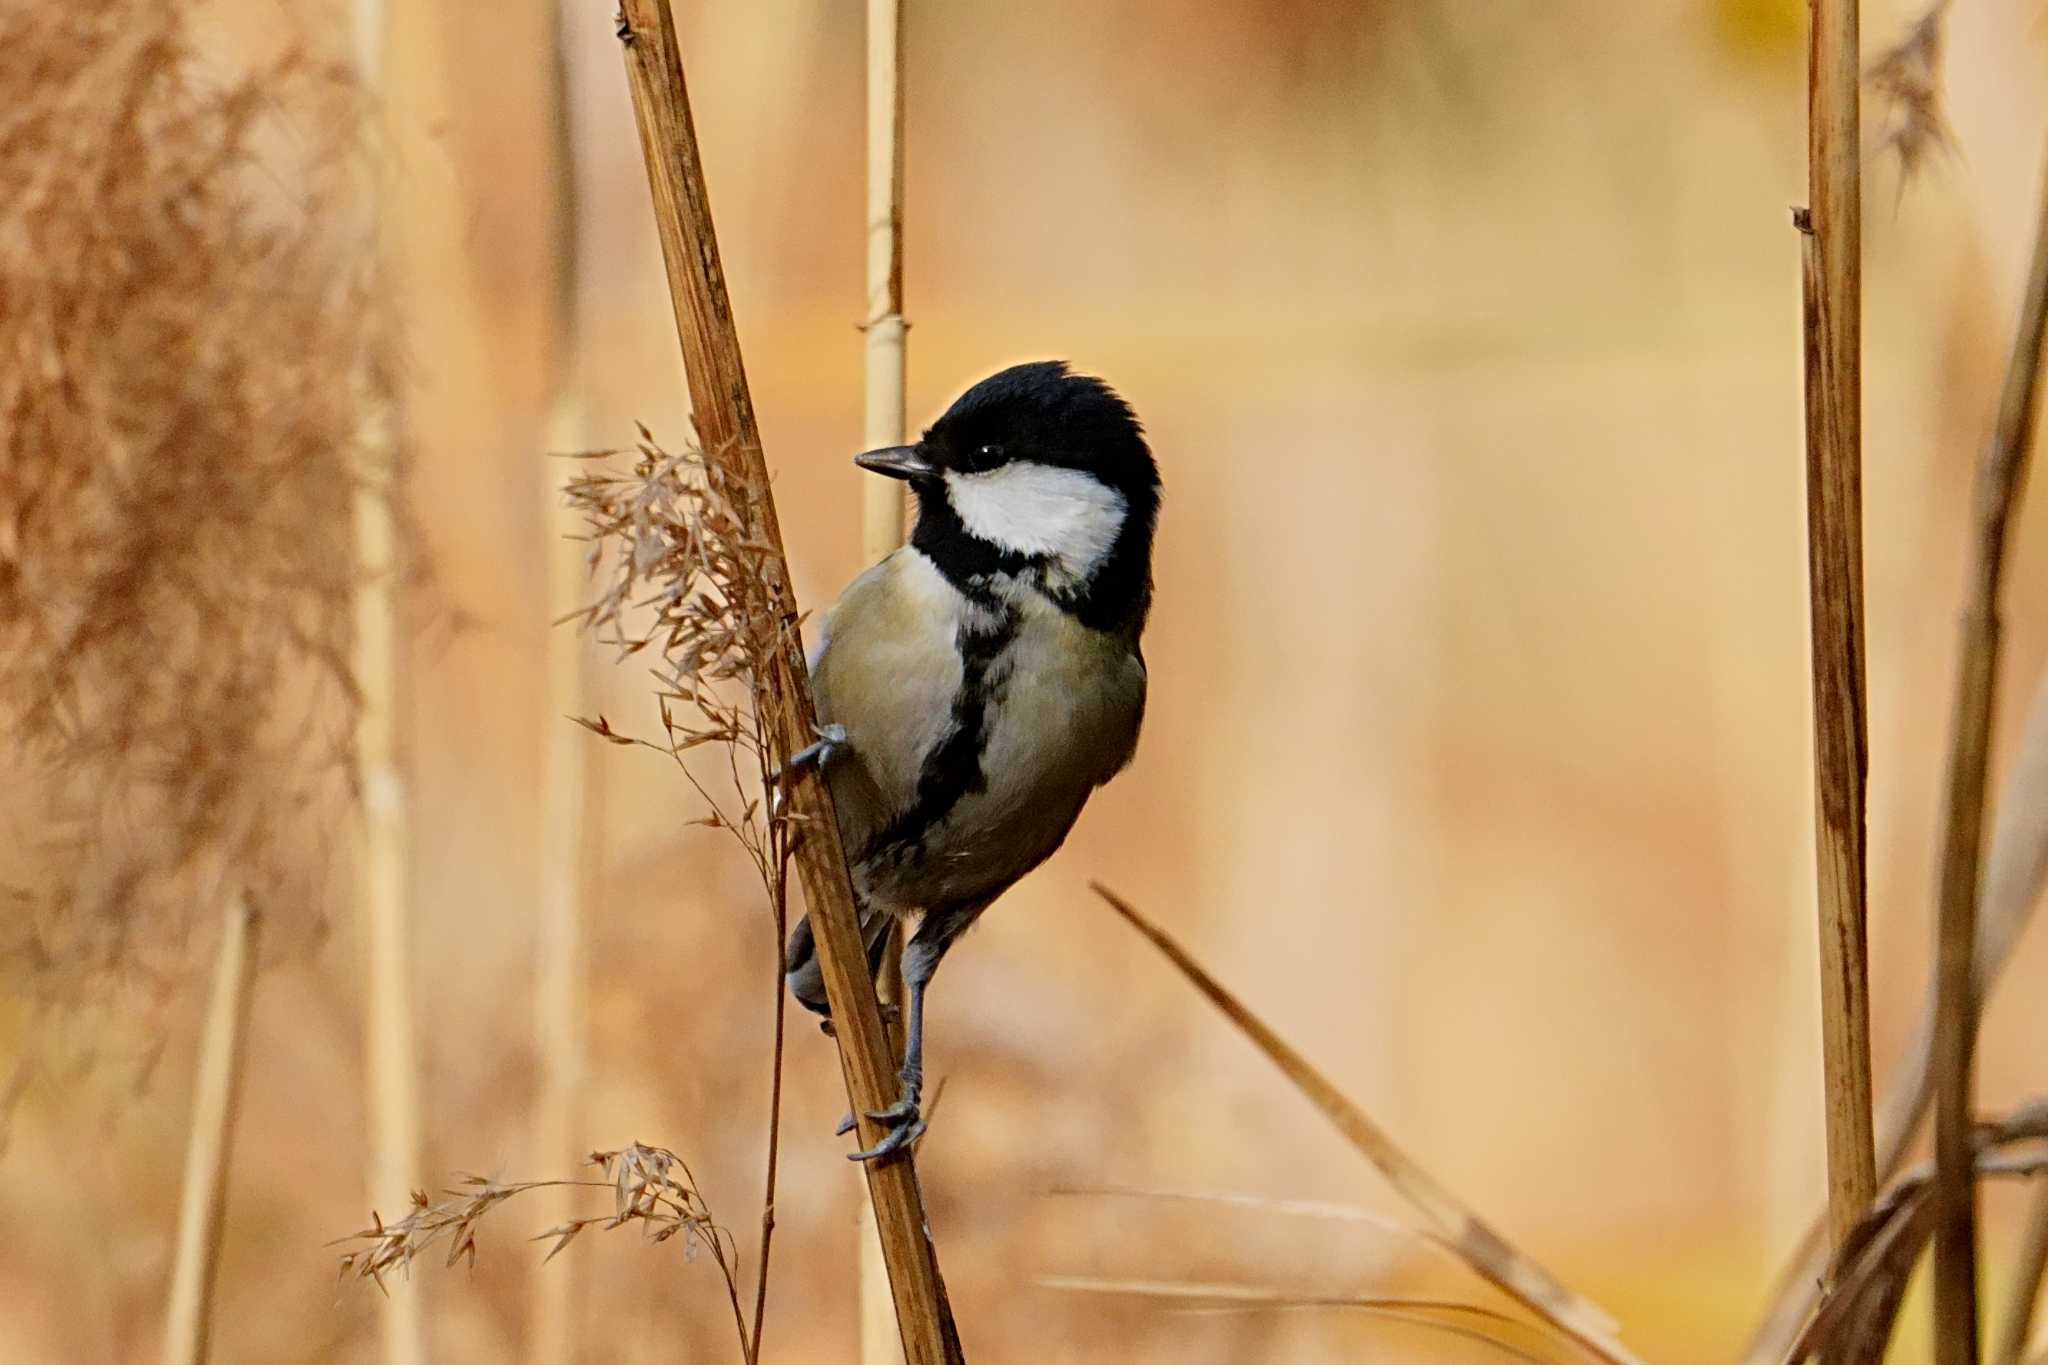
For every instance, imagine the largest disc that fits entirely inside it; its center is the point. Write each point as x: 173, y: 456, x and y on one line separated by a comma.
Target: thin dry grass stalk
x: 2001, y: 475
x: 181, y: 331
x: 1832, y: 292
x: 723, y: 410
x: 882, y: 517
x: 1471, y: 1238
x: 216, y: 1098
x: 566, y: 830
x: 384, y: 832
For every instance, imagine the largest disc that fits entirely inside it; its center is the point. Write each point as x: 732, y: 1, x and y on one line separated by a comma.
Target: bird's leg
x: 906, y: 1122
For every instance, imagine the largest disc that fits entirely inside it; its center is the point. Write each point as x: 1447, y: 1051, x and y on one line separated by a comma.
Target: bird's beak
x: 897, y: 462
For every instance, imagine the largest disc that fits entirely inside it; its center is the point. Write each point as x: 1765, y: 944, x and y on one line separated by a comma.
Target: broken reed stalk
x: 216, y: 1096
x: 883, y: 335
x: 384, y: 855
x: 2001, y: 474
x: 560, y: 1030
x: 1463, y: 1232
x: 1832, y: 278
x: 724, y: 415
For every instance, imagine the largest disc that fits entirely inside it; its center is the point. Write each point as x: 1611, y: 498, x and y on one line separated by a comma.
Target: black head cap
x: 1044, y: 412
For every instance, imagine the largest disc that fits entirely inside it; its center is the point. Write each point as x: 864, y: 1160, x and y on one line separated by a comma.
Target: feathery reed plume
x: 1831, y: 238
x: 566, y: 829
x: 723, y: 410
x: 1471, y: 1238
x: 216, y: 1096
x: 177, y: 435
x: 882, y: 515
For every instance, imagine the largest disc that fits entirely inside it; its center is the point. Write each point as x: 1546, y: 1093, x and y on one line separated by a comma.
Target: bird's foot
x: 831, y: 742
x: 905, y: 1121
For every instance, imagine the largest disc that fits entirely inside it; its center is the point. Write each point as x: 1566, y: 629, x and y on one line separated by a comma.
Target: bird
x: 976, y: 686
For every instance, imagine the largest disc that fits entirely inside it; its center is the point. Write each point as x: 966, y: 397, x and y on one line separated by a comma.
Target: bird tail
x: 800, y: 967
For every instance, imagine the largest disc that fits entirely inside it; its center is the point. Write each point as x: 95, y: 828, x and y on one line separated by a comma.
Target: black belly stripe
x: 952, y: 770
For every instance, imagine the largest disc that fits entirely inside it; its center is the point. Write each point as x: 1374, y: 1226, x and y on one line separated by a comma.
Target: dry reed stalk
x: 1465, y: 1233
x: 723, y: 411
x: 216, y: 1096
x: 1907, y: 77
x: 2001, y: 475
x: 566, y: 831
x: 1832, y: 292
x: 384, y: 835
x: 882, y: 516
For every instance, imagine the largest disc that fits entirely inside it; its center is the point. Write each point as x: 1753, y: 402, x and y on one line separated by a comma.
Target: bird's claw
x: 828, y: 746
x: 900, y: 1135
x: 905, y: 1120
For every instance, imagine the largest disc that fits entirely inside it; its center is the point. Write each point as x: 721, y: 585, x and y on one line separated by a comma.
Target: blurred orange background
x: 1478, y: 751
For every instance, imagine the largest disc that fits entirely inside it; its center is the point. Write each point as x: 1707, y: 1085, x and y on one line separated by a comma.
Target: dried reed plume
x: 673, y: 563
x: 675, y: 567
x: 183, y: 349
x: 652, y: 1189
x: 1906, y: 78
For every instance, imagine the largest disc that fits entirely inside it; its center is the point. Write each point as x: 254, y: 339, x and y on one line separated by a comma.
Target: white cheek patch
x: 1041, y: 510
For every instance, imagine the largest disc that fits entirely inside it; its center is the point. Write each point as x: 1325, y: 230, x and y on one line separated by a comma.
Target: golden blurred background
x: 1478, y: 751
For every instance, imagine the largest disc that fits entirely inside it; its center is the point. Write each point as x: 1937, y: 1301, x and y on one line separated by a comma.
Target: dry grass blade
x: 1293, y: 1208
x: 1471, y: 1322
x: 1474, y: 1241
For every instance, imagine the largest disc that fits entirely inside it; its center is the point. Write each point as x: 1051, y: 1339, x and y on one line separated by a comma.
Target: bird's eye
x: 989, y: 456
